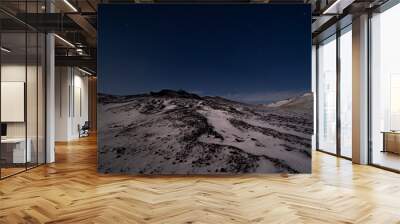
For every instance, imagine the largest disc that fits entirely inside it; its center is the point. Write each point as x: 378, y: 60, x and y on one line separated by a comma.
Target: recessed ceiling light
x: 337, y: 7
x: 84, y: 71
x: 70, y: 5
x: 64, y: 40
x: 5, y: 50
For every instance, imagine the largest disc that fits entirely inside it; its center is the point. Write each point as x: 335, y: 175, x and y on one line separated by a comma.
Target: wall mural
x: 204, y: 89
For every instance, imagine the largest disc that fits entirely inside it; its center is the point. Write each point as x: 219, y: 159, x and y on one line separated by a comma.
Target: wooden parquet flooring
x: 71, y: 191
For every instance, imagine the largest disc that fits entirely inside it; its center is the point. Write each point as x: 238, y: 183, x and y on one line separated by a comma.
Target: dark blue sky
x: 252, y: 53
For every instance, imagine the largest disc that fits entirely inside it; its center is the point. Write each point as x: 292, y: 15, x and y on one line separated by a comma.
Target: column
x: 360, y: 90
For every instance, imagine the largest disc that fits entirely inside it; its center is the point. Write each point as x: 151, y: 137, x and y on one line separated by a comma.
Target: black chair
x: 84, y: 130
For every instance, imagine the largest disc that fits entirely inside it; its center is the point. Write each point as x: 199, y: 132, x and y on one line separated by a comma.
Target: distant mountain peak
x: 174, y: 94
x: 303, y: 101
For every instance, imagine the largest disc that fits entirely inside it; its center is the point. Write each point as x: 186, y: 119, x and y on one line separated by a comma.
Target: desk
x: 391, y: 141
x: 13, y: 150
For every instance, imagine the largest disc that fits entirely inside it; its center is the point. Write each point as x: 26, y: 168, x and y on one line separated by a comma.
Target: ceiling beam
x: 84, y: 24
x: 77, y: 61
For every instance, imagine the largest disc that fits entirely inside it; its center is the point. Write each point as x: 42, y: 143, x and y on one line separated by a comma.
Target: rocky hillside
x: 176, y: 132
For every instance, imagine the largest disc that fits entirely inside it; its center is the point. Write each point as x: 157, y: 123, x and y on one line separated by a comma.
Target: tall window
x: 346, y: 93
x: 385, y: 88
x: 327, y: 95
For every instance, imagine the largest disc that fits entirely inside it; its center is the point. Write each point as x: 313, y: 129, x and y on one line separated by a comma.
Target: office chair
x: 84, y: 130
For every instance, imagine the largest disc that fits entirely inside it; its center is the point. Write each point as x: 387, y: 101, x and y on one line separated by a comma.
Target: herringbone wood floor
x: 70, y: 191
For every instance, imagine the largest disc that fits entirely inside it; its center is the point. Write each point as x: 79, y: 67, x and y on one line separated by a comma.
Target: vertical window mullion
x: 369, y: 55
x: 37, y: 90
x: 317, y: 97
x: 338, y: 80
x: 26, y: 86
x: 0, y: 93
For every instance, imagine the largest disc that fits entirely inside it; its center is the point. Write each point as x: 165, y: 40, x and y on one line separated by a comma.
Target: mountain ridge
x: 169, y: 93
x: 176, y: 132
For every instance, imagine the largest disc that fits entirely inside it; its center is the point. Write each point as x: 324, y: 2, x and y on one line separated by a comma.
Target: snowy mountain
x: 303, y: 102
x: 176, y: 132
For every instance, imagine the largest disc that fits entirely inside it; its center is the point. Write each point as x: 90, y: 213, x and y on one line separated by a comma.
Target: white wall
x: 71, y: 102
x: 80, y: 111
x: 12, y: 101
x: 62, y: 82
x: 17, y: 72
x: 14, y: 72
x: 33, y: 126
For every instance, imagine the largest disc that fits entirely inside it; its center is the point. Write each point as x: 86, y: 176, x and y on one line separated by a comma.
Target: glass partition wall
x: 385, y: 89
x: 22, y: 98
x: 13, y: 86
x: 334, y: 84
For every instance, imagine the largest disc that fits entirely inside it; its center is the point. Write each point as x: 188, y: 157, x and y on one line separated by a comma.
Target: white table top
x: 13, y: 140
x: 390, y: 132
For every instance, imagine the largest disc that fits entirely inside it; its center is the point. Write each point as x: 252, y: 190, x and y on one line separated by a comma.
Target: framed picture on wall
x: 204, y: 89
